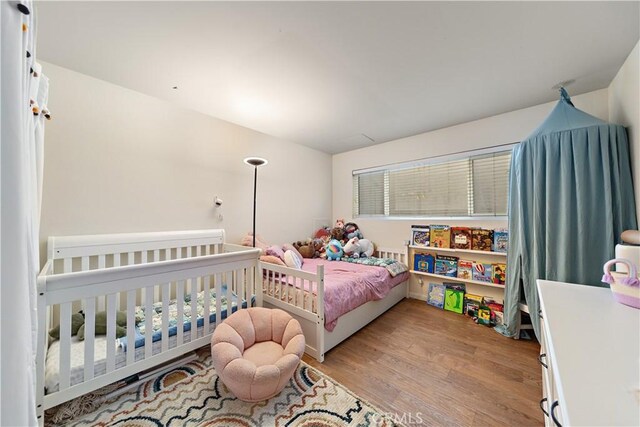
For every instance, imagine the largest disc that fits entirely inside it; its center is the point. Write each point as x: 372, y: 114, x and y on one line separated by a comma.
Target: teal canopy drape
x: 570, y: 197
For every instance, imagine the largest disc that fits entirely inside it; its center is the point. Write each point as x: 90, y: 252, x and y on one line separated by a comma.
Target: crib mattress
x: 52, y: 365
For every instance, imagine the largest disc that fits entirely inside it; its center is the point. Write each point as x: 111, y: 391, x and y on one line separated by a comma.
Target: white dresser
x: 590, y: 356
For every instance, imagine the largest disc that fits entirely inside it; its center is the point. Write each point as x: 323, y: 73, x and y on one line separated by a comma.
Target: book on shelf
x: 420, y: 235
x: 446, y: 265
x: 440, y: 236
x: 465, y: 269
x: 424, y: 262
x: 435, y: 295
x: 482, y: 272
x: 460, y: 238
x: 472, y: 304
x: 500, y: 240
x: 499, y: 273
x: 481, y: 239
x: 454, y: 297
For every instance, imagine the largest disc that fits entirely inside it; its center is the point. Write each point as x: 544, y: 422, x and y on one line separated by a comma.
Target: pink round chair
x: 256, y: 351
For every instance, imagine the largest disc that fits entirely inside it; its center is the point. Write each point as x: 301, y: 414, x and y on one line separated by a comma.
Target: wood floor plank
x: 418, y: 359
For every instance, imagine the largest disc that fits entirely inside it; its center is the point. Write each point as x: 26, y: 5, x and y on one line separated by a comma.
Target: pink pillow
x: 290, y: 247
x: 272, y: 259
x: 276, y: 251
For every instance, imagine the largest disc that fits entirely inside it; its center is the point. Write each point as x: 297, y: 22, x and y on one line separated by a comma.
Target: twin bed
x: 173, y: 288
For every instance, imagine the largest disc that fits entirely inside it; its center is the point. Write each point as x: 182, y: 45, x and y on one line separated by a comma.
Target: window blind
x: 467, y: 185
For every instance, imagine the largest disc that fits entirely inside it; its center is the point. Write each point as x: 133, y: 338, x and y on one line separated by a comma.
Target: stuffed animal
x: 337, y: 233
x: 339, y: 223
x: 261, y: 244
x: 77, y: 325
x: 334, y: 250
x: 306, y: 249
x: 351, y: 230
x: 322, y: 232
x: 357, y: 248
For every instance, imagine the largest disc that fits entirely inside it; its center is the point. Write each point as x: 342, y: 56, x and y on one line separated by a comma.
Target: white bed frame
x: 310, y: 312
x: 120, y: 271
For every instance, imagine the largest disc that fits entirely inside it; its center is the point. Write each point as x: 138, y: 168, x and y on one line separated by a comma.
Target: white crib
x: 123, y: 271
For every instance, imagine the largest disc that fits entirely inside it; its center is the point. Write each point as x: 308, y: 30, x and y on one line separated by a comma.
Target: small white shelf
x: 469, y: 251
x: 457, y: 279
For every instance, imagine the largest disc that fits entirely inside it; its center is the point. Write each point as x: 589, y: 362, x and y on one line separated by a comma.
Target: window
x: 473, y: 184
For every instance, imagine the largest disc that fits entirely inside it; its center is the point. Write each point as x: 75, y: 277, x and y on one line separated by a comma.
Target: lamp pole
x: 255, y: 162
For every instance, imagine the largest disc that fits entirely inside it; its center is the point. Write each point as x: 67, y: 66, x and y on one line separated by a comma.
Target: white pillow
x: 291, y: 260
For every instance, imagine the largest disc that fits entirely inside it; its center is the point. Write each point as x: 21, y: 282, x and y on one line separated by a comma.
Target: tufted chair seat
x: 256, y: 351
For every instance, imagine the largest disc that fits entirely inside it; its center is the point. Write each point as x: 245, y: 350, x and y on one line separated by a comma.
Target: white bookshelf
x: 468, y: 251
x: 457, y: 279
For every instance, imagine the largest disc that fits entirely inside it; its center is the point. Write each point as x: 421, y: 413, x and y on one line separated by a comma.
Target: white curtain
x: 24, y: 98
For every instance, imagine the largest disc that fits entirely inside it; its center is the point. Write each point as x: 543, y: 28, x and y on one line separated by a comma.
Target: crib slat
x: 65, y: 345
x: 218, y: 286
x: 180, y: 319
x: 148, y: 322
x: 111, y: 332
x: 116, y: 260
x: 143, y: 257
x: 194, y: 309
x: 66, y: 265
x: 166, y: 296
x: 241, y: 288
x: 207, y: 304
x: 286, y: 287
x: 131, y: 335
x: 130, y: 258
x: 156, y: 255
x: 89, y: 337
x: 230, y: 294
x: 84, y: 263
x: 309, y: 296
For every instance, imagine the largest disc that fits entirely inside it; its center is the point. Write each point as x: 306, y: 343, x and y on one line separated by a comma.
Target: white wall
x: 120, y: 161
x: 624, y: 109
x: 501, y: 129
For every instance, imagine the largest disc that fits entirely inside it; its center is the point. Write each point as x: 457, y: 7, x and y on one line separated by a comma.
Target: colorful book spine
x: 465, y: 269
x: 420, y: 235
x: 436, y: 295
x: 446, y: 266
x: 481, y: 239
x: 500, y: 240
x: 482, y: 272
x: 499, y: 273
x: 440, y: 236
x: 461, y: 237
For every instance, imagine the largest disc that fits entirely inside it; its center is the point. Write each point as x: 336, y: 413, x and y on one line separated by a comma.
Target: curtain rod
x: 429, y: 160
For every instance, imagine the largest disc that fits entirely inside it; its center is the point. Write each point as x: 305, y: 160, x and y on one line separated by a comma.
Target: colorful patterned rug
x: 193, y: 395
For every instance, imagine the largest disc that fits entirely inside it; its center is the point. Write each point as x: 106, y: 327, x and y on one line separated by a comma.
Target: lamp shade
x: 255, y: 161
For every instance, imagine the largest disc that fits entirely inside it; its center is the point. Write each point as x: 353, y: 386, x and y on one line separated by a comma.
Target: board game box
x: 446, y: 265
x: 435, y: 297
x: 454, y: 297
x: 482, y: 272
x: 481, y: 239
x: 440, y: 236
x: 499, y: 273
x: 420, y: 235
x: 500, y: 240
x: 461, y: 237
x: 465, y: 269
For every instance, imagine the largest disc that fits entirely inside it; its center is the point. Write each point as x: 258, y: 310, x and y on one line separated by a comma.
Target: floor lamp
x: 255, y: 162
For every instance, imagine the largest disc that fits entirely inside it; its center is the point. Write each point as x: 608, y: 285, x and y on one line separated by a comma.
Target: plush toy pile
x: 343, y: 240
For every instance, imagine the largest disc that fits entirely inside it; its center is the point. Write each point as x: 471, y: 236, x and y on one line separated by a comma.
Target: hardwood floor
x: 418, y: 359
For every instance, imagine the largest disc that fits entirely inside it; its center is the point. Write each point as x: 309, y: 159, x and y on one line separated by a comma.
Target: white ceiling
x: 323, y: 74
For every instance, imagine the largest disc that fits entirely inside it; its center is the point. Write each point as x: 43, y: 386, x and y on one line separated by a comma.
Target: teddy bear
x: 78, y: 321
x: 334, y: 250
x: 337, y: 233
x: 357, y: 248
x: 306, y: 249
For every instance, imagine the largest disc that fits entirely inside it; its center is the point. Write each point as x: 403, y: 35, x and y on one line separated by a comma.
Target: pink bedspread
x: 348, y: 286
